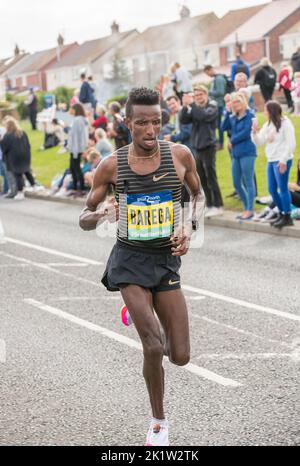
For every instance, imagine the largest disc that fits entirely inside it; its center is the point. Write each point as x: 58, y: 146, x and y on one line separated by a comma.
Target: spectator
x: 182, y: 79
x: 203, y: 114
x: 3, y: 172
x: 167, y: 128
x: 32, y: 106
x: 286, y: 83
x: 77, y: 144
x: 296, y: 93
x: 167, y: 87
x: 241, y: 82
x: 17, y: 156
x: 102, y: 143
x: 75, y: 98
x: 278, y: 134
x: 86, y: 95
x: 295, y: 189
x: 217, y: 92
x: 182, y: 132
x: 266, y: 78
x: 101, y: 121
x: 295, y: 61
x: 239, y: 123
x: 239, y: 66
x: 119, y: 130
x: 94, y: 158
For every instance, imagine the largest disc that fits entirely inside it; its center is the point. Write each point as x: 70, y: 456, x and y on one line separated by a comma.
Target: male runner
x: 145, y: 260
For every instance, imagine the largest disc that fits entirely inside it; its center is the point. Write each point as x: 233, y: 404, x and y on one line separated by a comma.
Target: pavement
x: 71, y: 374
x: 227, y: 220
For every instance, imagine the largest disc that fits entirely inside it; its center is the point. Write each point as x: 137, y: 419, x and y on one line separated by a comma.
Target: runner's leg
x: 139, y: 301
x: 170, y: 307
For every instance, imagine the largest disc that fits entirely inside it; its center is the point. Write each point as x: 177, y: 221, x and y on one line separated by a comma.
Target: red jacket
x: 100, y: 122
x: 285, y: 80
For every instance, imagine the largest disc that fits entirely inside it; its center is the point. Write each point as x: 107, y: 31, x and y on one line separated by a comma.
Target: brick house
x: 31, y: 70
x: 260, y: 36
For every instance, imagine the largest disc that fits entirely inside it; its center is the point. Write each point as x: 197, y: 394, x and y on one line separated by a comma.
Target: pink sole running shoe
x: 158, y: 435
x: 125, y: 316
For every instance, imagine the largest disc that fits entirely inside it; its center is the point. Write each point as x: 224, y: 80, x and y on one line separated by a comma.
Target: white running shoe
x: 158, y: 435
x: 214, y: 212
x: 270, y: 216
x: 20, y: 196
x: 261, y: 215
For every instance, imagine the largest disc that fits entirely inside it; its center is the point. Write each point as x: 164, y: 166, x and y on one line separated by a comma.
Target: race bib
x: 150, y: 216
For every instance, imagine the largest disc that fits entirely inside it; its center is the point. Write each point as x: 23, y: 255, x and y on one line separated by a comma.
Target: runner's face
x: 145, y: 125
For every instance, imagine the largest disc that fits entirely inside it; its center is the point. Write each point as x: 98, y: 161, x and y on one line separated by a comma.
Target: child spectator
x: 102, y: 143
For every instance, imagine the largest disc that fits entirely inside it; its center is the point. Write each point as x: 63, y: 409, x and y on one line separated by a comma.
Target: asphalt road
x: 71, y: 374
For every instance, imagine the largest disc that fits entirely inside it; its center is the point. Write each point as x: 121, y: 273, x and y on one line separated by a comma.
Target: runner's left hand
x: 181, y: 241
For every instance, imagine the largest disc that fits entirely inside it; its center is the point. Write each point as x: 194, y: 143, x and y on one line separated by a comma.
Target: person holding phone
x: 278, y: 135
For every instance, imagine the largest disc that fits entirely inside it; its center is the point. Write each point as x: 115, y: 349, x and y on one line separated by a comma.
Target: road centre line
x: 238, y: 302
x: 193, y: 368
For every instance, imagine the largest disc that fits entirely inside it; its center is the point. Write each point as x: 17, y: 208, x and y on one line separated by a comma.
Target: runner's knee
x: 153, y: 348
x: 179, y: 359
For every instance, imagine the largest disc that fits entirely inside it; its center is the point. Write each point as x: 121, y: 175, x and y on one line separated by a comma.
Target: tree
x: 120, y: 71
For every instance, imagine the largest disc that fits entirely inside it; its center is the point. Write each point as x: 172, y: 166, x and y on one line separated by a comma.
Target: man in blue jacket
x: 86, y: 95
x: 239, y: 66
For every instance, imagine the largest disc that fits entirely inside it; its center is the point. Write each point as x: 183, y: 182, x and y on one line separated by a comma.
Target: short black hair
x: 141, y: 96
x: 175, y: 97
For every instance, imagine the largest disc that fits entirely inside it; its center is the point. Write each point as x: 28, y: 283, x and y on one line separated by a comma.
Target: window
x: 75, y: 74
x: 231, y: 52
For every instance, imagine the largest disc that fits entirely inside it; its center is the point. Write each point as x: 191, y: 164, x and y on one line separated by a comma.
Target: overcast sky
x: 35, y: 24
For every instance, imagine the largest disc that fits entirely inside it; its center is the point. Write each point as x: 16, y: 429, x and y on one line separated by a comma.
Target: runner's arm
x: 193, y: 212
x: 91, y: 215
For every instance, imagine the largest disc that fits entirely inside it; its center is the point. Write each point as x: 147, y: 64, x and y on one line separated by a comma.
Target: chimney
x: 185, y: 12
x: 115, y: 28
x: 17, y: 50
x: 60, y: 40
x: 60, y: 44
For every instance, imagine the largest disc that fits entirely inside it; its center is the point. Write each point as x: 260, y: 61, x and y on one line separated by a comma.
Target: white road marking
x: 239, y: 330
x: 53, y: 251
x: 195, y: 298
x: 240, y: 302
x: 85, y: 298
x: 201, y: 371
x: 245, y: 356
x: 49, y: 269
x: 67, y: 264
x: 211, y: 294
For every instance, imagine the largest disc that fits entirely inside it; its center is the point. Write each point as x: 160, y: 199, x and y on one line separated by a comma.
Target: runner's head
x: 143, y: 117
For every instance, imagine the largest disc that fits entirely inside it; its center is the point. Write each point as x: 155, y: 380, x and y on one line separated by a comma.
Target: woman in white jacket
x: 278, y: 134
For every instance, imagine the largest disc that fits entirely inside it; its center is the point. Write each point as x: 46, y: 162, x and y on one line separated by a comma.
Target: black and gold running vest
x: 149, y: 205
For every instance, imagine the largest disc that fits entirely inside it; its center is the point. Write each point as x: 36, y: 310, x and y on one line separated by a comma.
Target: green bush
x: 63, y: 94
x: 118, y: 98
x: 21, y: 107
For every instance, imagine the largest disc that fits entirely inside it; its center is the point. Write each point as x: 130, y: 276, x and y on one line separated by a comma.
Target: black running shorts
x: 128, y: 266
